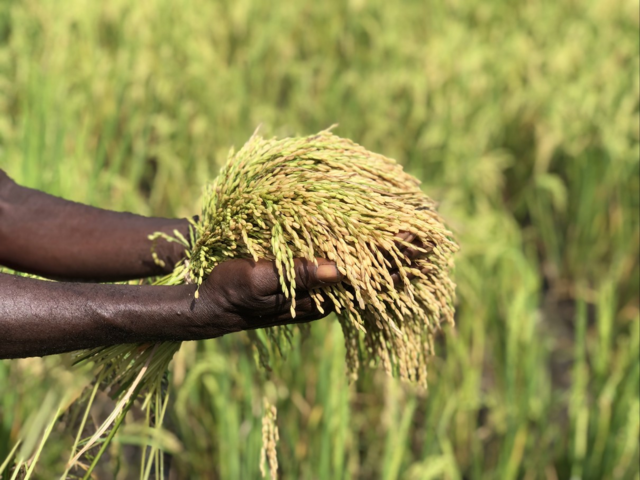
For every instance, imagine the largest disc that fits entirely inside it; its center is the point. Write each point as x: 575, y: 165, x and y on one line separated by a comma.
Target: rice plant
x: 520, y: 119
x: 312, y: 197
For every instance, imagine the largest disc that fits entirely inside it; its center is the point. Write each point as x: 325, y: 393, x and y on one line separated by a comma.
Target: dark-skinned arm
x: 56, y: 238
x: 38, y: 317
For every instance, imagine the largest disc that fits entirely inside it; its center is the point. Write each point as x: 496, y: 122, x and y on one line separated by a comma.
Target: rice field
x: 522, y: 121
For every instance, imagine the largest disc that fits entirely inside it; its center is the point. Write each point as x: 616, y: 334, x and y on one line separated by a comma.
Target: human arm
x: 39, y: 318
x: 56, y: 238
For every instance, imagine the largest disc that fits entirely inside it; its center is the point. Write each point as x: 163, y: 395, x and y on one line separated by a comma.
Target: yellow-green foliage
x: 323, y: 196
x: 521, y: 120
x: 312, y: 197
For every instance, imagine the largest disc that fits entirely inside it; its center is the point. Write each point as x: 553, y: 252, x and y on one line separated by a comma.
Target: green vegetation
x: 521, y: 118
x: 316, y: 196
x: 322, y: 196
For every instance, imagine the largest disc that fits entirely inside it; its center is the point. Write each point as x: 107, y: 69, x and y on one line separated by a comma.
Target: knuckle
x: 305, y: 306
x: 303, y: 274
x: 259, y: 284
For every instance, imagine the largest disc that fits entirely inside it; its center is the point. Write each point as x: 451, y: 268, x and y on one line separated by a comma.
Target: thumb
x: 310, y: 276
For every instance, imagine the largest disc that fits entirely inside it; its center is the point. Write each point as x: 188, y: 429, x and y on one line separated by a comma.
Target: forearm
x: 42, y: 318
x: 56, y: 238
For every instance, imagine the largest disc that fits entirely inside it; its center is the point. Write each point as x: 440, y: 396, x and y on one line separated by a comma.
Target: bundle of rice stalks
x: 315, y: 197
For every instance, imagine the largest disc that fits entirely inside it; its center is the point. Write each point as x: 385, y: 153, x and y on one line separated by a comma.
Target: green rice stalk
x: 270, y: 437
x: 312, y: 197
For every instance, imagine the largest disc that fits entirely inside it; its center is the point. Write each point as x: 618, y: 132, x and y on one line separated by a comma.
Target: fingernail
x: 328, y: 274
x: 407, y: 237
x: 403, y: 235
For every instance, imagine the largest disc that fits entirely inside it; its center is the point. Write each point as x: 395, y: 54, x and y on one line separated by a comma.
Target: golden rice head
x: 324, y: 196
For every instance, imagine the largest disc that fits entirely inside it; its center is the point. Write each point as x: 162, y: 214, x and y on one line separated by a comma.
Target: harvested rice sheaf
x: 326, y: 197
x: 312, y: 197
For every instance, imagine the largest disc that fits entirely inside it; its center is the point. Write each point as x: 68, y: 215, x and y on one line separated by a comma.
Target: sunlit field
x: 522, y: 121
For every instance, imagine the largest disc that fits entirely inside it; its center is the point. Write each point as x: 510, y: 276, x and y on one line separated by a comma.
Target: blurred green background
x: 522, y: 120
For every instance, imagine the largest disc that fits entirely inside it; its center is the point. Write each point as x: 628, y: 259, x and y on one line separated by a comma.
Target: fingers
x: 416, y: 250
x: 306, y: 310
x: 308, y: 276
x: 266, y: 279
x: 405, y: 236
x: 409, y: 245
x: 256, y: 293
x: 397, y: 279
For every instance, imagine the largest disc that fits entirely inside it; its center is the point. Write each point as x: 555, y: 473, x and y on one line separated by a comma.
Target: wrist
x: 167, y: 253
x: 190, y: 318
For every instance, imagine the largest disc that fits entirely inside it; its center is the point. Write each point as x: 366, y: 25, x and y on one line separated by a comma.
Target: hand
x: 415, y: 251
x: 241, y: 294
x: 246, y: 295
